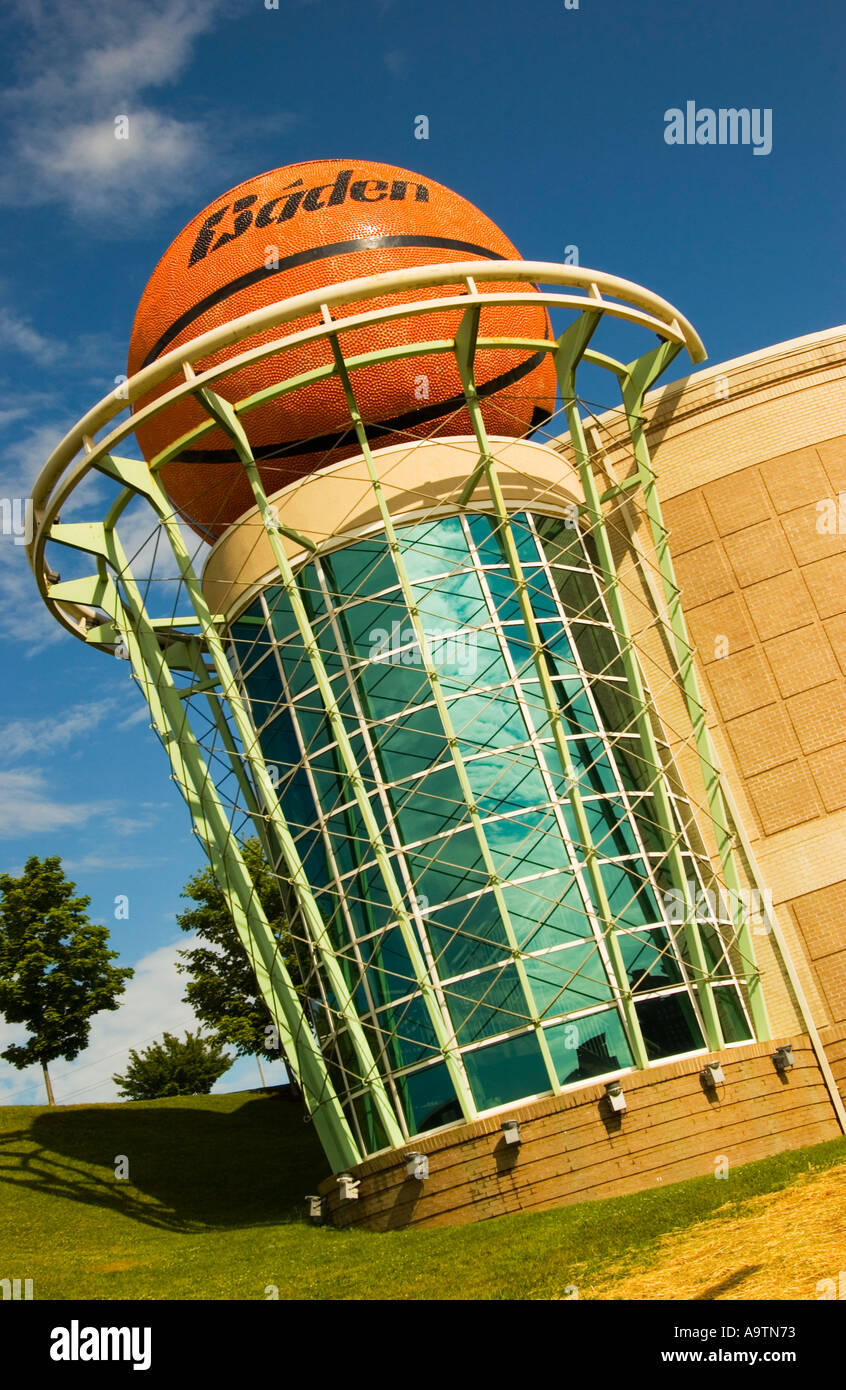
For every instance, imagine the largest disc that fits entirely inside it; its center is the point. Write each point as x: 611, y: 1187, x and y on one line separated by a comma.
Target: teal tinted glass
x: 630, y: 897
x: 649, y: 960
x: 488, y: 1003
x: 389, y: 970
x: 409, y: 1027
x: 370, y: 1125
x: 549, y: 911
x: 506, y: 781
x: 428, y: 1098
x: 469, y: 924
x: 364, y: 568
x: 565, y: 981
x: 448, y: 868
x: 429, y: 805
x: 733, y: 1020
x: 467, y: 935
x: 586, y: 1047
x: 410, y: 744
x: 524, y: 844
x: 506, y: 1071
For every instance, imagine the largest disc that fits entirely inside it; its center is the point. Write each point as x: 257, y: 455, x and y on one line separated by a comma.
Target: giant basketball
x: 302, y: 228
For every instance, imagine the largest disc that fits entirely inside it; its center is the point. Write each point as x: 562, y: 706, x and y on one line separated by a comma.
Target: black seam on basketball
x: 314, y: 253
x: 323, y: 443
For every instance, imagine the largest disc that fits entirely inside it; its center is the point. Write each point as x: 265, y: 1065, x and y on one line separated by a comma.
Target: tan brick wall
x: 764, y: 591
x: 574, y: 1150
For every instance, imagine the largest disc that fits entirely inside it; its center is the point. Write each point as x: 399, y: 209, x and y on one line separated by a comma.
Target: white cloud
x: 19, y: 737
x: 17, y: 335
x: 96, y: 174
x: 30, y: 804
x: 86, y: 64
x: 151, y: 1003
x: 150, y: 557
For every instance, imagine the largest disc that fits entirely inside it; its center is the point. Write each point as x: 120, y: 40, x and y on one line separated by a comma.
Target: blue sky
x: 550, y: 119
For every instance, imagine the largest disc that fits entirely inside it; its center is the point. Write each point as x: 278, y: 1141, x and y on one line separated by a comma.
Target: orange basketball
x: 306, y: 227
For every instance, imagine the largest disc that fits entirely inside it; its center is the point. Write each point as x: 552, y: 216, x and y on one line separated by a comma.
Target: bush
x: 173, y: 1068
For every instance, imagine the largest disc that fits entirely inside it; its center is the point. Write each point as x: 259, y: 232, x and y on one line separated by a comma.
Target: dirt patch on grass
x: 782, y: 1247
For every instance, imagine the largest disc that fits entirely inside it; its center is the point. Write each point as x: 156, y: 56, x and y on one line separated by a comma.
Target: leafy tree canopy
x: 173, y: 1068
x: 55, y: 965
x: 223, y: 990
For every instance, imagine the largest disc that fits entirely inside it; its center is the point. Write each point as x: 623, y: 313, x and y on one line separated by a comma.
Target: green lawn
x: 213, y: 1208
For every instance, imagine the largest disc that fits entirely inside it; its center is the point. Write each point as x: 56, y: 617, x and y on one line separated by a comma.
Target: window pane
x: 547, y: 912
x: 481, y: 1005
x: 669, y: 1026
x: 466, y: 935
x: 429, y: 806
x: 525, y: 844
x: 451, y: 867
x: 631, y: 900
x: 506, y: 1071
x: 389, y: 971
x: 649, y: 960
x: 428, y: 1098
x: 505, y: 781
x: 592, y: 1046
x: 733, y: 1020
x: 365, y: 567
x: 567, y: 981
x: 410, y: 1030
x: 370, y: 1124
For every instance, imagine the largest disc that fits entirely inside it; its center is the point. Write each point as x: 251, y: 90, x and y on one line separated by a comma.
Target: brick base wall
x: 575, y: 1149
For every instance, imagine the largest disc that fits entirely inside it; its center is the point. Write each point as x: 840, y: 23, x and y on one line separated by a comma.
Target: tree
x: 173, y: 1068
x: 223, y: 990
x: 55, y: 971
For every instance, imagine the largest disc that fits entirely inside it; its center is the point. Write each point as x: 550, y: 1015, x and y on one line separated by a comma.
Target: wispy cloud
x: 21, y: 737
x: 87, y: 65
x: 17, y: 335
x: 30, y: 803
x: 396, y: 61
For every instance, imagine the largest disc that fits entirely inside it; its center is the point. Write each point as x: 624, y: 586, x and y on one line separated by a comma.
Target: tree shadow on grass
x: 191, y: 1166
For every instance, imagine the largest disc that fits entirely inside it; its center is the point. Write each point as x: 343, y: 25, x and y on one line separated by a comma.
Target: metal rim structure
x: 106, y: 608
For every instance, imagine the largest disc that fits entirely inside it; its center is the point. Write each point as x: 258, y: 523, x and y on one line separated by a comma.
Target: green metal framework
x: 182, y: 659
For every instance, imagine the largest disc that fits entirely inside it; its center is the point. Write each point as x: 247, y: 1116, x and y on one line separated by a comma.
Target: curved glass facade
x: 532, y: 982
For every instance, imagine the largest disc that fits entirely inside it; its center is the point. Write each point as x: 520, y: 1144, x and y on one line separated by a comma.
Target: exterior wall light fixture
x: 348, y: 1187
x: 417, y: 1165
x: 713, y: 1075
x: 616, y: 1099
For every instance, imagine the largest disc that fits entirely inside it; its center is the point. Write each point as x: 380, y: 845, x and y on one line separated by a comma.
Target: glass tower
x: 478, y: 811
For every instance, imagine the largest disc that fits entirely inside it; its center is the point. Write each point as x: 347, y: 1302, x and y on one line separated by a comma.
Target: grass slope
x: 213, y: 1208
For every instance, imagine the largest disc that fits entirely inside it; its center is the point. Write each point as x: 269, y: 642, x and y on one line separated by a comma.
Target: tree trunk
x: 51, y: 1099
x: 261, y: 1073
